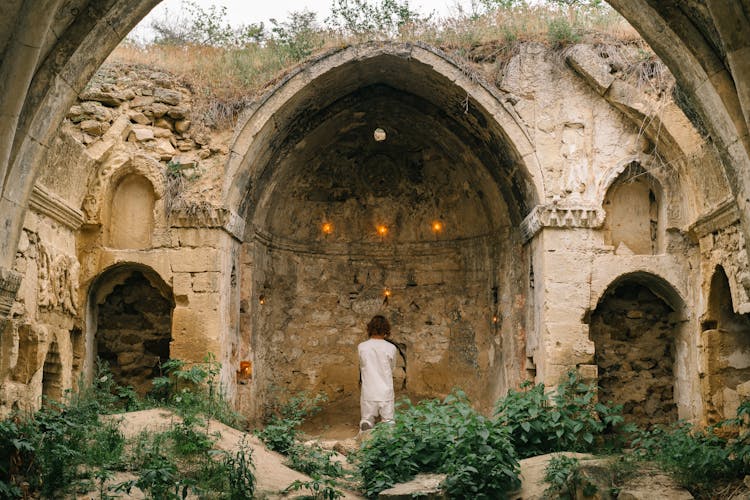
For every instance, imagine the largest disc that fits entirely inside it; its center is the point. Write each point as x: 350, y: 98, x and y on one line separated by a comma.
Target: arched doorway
x: 634, y: 328
x: 131, y: 324
x: 726, y: 342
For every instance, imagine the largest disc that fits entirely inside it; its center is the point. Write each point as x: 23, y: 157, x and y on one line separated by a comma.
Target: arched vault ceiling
x: 482, y: 130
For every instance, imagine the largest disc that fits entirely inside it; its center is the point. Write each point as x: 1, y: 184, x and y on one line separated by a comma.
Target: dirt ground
x: 272, y: 476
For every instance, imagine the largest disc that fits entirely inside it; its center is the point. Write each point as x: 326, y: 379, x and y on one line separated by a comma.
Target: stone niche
x: 131, y: 214
x: 634, y: 332
x: 385, y: 206
x: 634, y: 222
x: 725, y: 338
x: 133, y: 325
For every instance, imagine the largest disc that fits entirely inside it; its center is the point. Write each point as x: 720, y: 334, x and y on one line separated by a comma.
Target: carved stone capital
x: 564, y: 216
x: 10, y: 282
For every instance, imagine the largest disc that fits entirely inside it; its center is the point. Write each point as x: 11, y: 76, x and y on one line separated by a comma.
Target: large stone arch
x: 51, y: 48
x: 315, y: 85
x: 454, y: 153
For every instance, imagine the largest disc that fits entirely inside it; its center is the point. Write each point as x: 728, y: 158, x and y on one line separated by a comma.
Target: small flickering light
x: 382, y: 230
x: 379, y: 134
x: 494, y: 319
x: 327, y: 228
x: 387, y: 292
x: 437, y: 226
x: 262, y: 299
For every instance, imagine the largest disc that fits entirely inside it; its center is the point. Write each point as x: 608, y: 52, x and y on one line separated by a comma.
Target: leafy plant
x: 192, y: 390
x: 362, y: 17
x: 323, y: 488
x: 281, y: 430
x: 446, y: 436
x: 313, y: 460
x: 240, y: 472
x: 570, y: 419
x: 199, y: 26
x: 298, y: 36
x: 563, y: 474
x: 562, y: 32
x: 699, y: 459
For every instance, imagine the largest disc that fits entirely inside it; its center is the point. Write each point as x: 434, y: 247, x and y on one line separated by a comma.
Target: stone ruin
x: 559, y: 218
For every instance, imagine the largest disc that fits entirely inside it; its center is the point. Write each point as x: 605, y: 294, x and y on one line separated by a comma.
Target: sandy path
x: 272, y: 476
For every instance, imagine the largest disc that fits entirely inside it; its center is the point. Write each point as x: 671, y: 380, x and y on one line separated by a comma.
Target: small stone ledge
x: 722, y: 216
x: 423, y: 486
x: 560, y: 216
x: 209, y: 218
x: 47, y: 203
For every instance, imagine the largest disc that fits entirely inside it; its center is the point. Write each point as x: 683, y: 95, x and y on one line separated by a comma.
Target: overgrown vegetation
x: 69, y: 448
x: 701, y: 460
x: 446, y: 436
x: 281, y: 433
x: 193, y: 390
x: 568, y: 419
x: 563, y: 474
x: 226, y: 66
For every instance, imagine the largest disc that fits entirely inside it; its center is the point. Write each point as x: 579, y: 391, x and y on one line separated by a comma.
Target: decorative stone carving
x: 561, y: 216
x: 10, y: 282
x: 119, y: 164
x: 57, y: 282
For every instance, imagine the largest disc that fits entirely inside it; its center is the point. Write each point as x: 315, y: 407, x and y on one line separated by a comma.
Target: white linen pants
x: 371, y: 409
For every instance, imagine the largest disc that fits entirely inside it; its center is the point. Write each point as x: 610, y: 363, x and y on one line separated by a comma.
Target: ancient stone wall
x: 135, y: 184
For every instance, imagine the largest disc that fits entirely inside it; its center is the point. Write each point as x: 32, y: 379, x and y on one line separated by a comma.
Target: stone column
x: 562, y: 263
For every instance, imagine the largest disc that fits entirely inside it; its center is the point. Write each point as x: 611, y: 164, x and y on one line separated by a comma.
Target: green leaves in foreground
x: 569, y: 419
x: 446, y: 436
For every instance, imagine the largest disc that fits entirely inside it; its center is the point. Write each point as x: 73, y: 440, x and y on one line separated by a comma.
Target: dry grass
x: 225, y: 80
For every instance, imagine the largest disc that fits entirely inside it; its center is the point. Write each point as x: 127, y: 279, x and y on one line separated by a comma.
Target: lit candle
x: 437, y: 226
x: 327, y: 228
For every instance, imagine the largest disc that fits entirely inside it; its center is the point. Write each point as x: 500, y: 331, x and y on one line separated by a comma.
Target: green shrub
x: 281, y: 430
x: 321, y: 487
x: 313, y: 460
x: 562, y: 32
x: 446, y: 436
x: 194, y: 390
x: 569, y: 419
x: 700, y: 460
